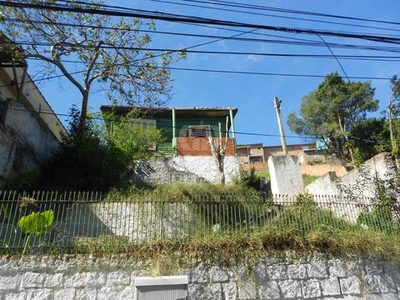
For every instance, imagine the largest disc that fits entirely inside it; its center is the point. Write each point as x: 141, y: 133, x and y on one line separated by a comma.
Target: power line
x: 217, y: 37
x: 145, y: 14
x: 45, y: 112
x: 258, y: 13
x: 291, y: 11
x: 237, y: 38
x: 232, y: 73
x: 268, y: 54
x: 272, y: 73
x: 336, y: 58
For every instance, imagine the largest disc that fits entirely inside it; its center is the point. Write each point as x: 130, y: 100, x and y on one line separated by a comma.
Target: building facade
x: 186, y: 149
x: 29, y: 130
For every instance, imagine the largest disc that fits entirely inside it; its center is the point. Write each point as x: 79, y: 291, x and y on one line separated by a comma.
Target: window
x: 255, y: 159
x: 165, y: 287
x: 199, y: 130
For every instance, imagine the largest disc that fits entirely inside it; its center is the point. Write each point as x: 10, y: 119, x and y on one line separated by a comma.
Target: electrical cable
x: 376, y: 38
x: 144, y: 14
x: 268, y: 54
x: 292, y: 11
x: 45, y: 112
x: 232, y: 73
x: 275, y: 16
x: 165, y: 126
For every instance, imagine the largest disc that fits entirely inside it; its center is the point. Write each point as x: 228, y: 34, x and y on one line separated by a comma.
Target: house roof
x: 16, y: 70
x: 257, y: 145
x: 160, y: 112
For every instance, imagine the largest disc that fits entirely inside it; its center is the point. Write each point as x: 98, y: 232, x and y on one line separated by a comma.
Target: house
x: 29, y: 129
x: 256, y: 155
x: 252, y: 153
x: 186, y: 131
x: 293, y: 149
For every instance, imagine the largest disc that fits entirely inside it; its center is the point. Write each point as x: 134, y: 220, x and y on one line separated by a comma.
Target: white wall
x: 285, y: 174
x: 204, y: 166
x: 358, y: 181
x: 31, y: 131
x: 185, y: 169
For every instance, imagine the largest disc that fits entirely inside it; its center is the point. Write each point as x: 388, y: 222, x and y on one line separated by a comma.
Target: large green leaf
x: 37, y: 222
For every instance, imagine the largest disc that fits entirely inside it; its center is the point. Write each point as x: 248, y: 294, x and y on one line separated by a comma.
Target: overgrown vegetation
x: 102, y: 160
x: 385, y: 194
x: 307, y: 179
x: 302, y: 226
x: 83, y: 164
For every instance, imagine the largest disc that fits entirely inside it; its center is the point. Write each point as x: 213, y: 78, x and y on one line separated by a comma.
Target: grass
x: 301, y: 227
x: 179, y: 191
x: 264, y: 174
x: 307, y: 179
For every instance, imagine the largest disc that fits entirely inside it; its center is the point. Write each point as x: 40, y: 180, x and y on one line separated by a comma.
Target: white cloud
x: 252, y: 58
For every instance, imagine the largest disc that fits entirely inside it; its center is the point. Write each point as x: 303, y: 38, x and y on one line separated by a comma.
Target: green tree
x: 90, y: 50
x: 330, y: 112
x: 103, y: 159
x: 83, y: 164
x: 371, y: 136
x: 133, y: 138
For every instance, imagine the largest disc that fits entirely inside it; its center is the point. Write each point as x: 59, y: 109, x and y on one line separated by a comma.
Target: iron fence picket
x: 84, y: 215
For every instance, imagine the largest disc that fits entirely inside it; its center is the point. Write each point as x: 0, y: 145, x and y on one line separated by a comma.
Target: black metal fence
x: 73, y: 221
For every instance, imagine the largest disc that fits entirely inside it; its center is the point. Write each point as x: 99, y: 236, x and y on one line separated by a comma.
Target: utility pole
x: 393, y: 139
x: 277, y: 105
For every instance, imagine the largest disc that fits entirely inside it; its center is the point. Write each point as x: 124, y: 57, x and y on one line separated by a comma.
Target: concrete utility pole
x: 393, y: 140
x: 277, y: 105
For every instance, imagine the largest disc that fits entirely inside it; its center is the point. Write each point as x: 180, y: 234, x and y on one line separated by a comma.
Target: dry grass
x: 347, y: 240
x: 299, y: 227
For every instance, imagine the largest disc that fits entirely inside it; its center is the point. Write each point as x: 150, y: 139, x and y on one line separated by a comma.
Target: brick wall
x: 198, y: 146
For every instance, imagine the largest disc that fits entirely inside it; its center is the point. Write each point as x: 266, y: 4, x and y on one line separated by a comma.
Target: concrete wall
x: 24, y: 141
x: 134, y: 221
x: 312, y: 276
x: 286, y: 178
x: 380, y: 166
x: 30, y: 130
x: 185, y: 169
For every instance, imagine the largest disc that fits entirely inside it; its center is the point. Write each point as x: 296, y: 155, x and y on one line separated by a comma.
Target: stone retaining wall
x: 312, y: 276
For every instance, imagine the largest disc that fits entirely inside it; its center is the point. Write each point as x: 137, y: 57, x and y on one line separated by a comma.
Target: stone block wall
x: 311, y: 276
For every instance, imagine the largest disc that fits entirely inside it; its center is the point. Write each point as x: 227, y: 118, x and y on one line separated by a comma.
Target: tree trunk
x: 82, y: 120
x: 344, y: 133
x: 218, y: 150
x: 221, y: 176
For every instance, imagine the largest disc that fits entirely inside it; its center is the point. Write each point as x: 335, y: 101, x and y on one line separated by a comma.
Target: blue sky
x: 253, y: 94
